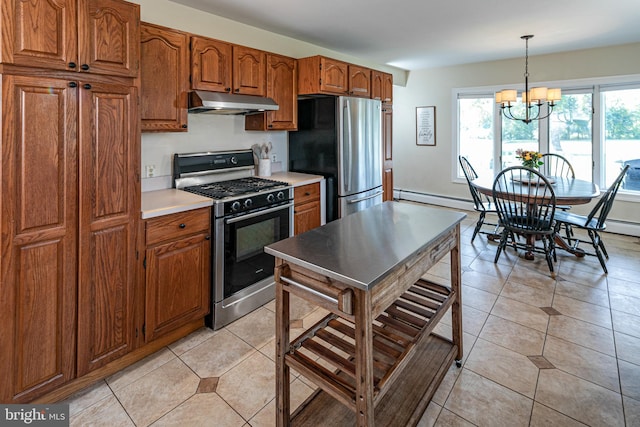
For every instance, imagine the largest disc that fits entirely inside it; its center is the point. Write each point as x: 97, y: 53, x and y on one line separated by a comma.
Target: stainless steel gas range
x: 248, y: 213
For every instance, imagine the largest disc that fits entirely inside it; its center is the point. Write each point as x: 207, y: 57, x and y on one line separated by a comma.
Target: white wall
x: 428, y: 169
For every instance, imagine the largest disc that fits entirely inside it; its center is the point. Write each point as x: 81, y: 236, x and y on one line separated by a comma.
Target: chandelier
x: 533, y: 99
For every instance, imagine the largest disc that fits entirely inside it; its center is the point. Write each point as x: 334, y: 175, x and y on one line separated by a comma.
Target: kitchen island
x: 374, y: 356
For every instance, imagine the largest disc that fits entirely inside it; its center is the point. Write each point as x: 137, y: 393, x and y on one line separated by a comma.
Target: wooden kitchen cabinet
x: 382, y: 86
x: 249, y: 71
x: 109, y: 208
x: 70, y: 197
x: 164, y: 78
x: 306, y: 210
x: 96, y: 36
x: 211, y: 64
x: 387, y: 160
x: 39, y: 236
x: 322, y: 75
x: 223, y: 67
x: 359, y: 81
x: 178, y: 269
x: 282, y: 87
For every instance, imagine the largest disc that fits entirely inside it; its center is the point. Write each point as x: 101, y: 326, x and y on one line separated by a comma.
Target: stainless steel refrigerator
x: 340, y: 138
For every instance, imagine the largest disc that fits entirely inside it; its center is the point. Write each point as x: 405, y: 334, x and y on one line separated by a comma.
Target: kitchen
x: 224, y: 133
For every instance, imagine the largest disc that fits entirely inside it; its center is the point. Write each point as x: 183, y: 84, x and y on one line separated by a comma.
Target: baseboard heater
x: 613, y: 226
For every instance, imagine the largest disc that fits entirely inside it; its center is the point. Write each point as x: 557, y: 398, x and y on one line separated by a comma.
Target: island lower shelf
x: 405, y: 400
x: 326, y: 352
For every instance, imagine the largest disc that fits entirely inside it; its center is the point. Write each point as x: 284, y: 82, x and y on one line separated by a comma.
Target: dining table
x: 567, y: 191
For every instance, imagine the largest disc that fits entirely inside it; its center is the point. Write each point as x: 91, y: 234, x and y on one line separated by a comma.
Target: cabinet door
x: 282, y: 82
x: 109, y: 37
x: 387, y: 141
x: 109, y: 195
x: 249, y: 71
x: 334, y: 76
x: 359, y: 81
x: 177, y: 284
x: 210, y: 64
x: 306, y: 217
x: 40, y: 33
x: 164, y: 78
x: 38, y: 237
x: 387, y: 88
x: 382, y: 86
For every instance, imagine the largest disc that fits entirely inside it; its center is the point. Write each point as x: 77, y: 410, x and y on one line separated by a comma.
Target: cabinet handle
x: 87, y: 86
x: 307, y: 194
x: 228, y: 89
x: 182, y: 225
x: 237, y: 90
x: 207, y: 237
x: 184, y: 126
x: 84, y: 67
x: 270, y: 126
x: 73, y: 84
x: 72, y: 65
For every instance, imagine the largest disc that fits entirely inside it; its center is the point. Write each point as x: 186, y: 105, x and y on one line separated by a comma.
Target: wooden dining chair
x: 526, y: 205
x: 594, y: 222
x: 481, y: 203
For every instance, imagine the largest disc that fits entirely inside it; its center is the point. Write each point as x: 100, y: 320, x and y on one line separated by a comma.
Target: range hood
x: 227, y: 103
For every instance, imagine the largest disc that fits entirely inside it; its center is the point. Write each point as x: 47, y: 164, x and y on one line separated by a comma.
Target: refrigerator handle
x: 346, y: 145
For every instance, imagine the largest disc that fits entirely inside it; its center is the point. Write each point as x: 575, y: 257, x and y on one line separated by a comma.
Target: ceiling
x: 417, y: 34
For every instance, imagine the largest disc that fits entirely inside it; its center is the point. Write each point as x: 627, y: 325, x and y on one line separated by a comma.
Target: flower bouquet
x: 530, y: 159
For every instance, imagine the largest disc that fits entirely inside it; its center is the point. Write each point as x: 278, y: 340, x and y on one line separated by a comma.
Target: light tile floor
x: 538, y: 352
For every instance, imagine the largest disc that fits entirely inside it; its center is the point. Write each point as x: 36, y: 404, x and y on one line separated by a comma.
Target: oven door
x: 245, y: 237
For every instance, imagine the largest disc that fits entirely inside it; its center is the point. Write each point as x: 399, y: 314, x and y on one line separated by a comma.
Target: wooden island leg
x: 364, y: 359
x: 456, y: 308
x: 283, y: 388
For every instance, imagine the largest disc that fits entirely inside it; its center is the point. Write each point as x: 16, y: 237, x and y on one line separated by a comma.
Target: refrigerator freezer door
x: 360, y: 201
x: 360, y: 145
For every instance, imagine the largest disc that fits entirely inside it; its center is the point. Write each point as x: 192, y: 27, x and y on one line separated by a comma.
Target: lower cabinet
x: 306, y: 210
x: 177, y: 270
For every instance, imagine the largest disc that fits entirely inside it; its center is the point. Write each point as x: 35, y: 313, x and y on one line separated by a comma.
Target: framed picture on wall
x: 426, y: 125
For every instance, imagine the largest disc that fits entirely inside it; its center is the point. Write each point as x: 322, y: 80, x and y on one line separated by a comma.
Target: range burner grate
x: 235, y: 187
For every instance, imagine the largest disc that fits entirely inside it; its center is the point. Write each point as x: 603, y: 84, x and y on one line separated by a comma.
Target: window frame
x: 594, y: 85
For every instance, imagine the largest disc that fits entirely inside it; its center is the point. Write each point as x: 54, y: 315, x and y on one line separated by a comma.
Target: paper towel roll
x: 264, y: 167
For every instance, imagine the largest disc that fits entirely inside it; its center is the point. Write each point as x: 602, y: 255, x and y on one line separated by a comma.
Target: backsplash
x: 206, y: 133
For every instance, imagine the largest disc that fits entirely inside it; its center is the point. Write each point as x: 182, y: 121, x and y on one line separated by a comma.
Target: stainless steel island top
x: 362, y: 248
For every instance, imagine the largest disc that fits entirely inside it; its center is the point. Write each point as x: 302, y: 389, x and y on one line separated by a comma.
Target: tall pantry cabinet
x: 70, y: 191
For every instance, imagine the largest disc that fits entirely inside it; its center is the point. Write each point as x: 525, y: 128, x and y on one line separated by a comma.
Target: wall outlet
x: 274, y: 158
x: 150, y: 170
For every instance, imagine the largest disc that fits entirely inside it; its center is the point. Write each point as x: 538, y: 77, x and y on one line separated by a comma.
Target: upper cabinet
x: 382, y: 86
x: 164, y: 78
x: 96, y: 36
x: 211, y: 64
x: 282, y: 82
x: 318, y: 74
x: 321, y: 75
x: 223, y: 67
x: 359, y: 81
x: 249, y: 71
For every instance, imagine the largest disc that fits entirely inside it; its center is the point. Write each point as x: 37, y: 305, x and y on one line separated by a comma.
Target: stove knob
x: 280, y: 195
x: 248, y: 203
x: 234, y: 160
x: 271, y: 198
x: 235, y: 206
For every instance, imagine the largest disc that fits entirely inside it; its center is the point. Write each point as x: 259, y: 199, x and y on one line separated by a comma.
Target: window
x: 621, y: 136
x: 476, y: 133
x: 597, y: 128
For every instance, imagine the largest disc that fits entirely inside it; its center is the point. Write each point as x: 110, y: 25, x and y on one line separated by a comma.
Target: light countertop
x: 168, y: 201
x: 295, y: 178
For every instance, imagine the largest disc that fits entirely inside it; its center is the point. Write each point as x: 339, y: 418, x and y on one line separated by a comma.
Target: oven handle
x: 362, y: 199
x: 258, y: 213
